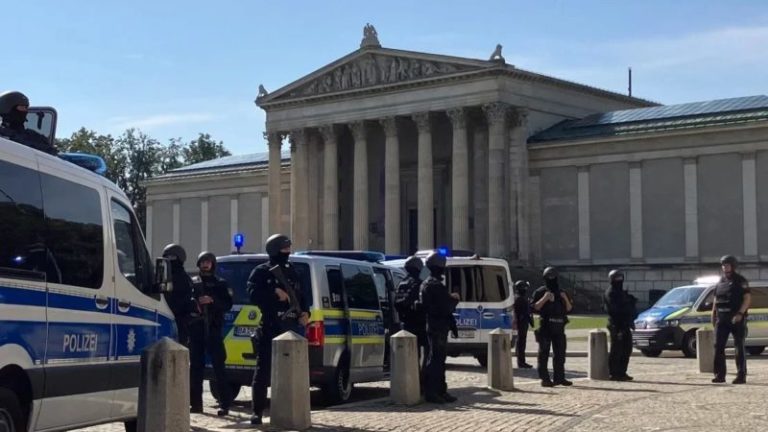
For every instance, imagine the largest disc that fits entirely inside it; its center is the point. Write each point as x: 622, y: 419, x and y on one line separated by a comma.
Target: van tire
x: 755, y: 350
x: 131, y: 425
x: 482, y: 359
x: 11, y: 416
x: 339, y: 388
x: 689, y: 344
x: 650, y: 352
x: 234, y: 389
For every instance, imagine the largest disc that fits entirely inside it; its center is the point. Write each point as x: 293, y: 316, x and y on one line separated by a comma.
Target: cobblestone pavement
x: 668, y: 394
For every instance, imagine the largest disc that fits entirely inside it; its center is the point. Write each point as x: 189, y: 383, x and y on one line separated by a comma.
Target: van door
x: 80, y: 294
x: 386, y: 291
x: 465, y: 280
x: 494, y: 295
x: 366, y: 323
x: 135, y: 308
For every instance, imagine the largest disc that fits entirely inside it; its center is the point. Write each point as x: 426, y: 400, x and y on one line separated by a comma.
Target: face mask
x: 617, y: 284
x: 281, y: 258
x: 552, y: 285
x: 436, y: 272
x: 15, y: 118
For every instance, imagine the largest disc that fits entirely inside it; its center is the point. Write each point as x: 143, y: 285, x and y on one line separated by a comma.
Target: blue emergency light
x: 443, y: 251
x: 239, y: 241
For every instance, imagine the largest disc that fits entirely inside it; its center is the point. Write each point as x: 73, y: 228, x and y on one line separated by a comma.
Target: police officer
x: 13, y: 110
x: 213, y: 299
x: 409, y: 307
x: 180, y: 299
x: 553, y: 306
x: 274, y: 287
x: 729, y: 316
x: 523, y: 319
x: 622, y: 311
x: 439, y: 304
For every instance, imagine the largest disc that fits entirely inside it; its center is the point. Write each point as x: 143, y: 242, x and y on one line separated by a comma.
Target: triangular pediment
x: 370, y: 68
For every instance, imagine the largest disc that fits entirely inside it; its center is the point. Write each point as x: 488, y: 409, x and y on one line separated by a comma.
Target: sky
x: 175, y: 68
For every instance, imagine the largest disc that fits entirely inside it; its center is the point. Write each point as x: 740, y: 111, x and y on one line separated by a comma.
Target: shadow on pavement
x: 621, y: 390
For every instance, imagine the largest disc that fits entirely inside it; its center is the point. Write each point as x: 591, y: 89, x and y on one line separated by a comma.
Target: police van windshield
x: 237, y: 272
x: 681, y: 296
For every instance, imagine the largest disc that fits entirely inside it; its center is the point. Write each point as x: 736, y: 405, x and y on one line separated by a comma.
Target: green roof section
x: 661, y: 118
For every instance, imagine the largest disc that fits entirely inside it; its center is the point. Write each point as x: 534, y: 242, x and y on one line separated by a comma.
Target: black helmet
x: 729, y: 259
x: 414, y: 265
x: 276, y: 243
x: 550, y: 273
x: 10, y: 100
x: 615, y: 274
x: 522, y: 285
x: 205, y: 255
x: 175, y: 250
x: 436, y: 260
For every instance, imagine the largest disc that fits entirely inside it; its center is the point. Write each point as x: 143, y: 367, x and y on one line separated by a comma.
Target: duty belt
x: 723, y: 309
x: 556, y: 320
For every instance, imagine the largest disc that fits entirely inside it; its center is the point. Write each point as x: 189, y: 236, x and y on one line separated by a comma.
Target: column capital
x: 274, y: 138
x: 423, y: 121
x: 298, y: 137
x: 496, y: 112
x: 518, y: 117
x: 358, y: 130
x: 328, y: 132
x: 636, y: 165
x: 458, y: 117
x: 389, y: 124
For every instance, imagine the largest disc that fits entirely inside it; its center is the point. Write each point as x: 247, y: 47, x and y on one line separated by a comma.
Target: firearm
x: 199, y: 289
x: 294, y: 310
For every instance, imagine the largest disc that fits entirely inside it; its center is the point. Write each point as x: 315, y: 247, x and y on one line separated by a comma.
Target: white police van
x: 486, y: 300
x: 79, y: 300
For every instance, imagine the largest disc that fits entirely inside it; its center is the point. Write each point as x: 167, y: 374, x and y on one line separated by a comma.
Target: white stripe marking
x: 56, y: 315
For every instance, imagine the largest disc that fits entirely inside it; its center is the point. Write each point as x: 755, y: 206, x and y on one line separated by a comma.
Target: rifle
x: 294, y: 310
x: 199, y: 289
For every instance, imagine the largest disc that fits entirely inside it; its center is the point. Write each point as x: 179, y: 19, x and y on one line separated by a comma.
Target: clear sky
x: 174, y: 68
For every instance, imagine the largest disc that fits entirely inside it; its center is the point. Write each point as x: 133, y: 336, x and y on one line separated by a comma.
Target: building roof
x: 661, y: 118
x: 251, y: 160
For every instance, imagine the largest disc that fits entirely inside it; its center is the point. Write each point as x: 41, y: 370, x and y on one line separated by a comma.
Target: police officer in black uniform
x: 180, y: 299
x: 213, y: 299
x: 553, y: 306
x: 622, y: 311
x: 523, y: 319
x: 729, y: 316
x: 439, y: 305
x: 409, y: 308
x: 13, y: 110
x: 274, y: 287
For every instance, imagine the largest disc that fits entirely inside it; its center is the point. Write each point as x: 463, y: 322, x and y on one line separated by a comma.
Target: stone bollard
x: 705, y: 350
x: 404, y: 380
x: 164, y: 388
x: 500, y: 372
x: 598, y: 355
x: 289, y: 404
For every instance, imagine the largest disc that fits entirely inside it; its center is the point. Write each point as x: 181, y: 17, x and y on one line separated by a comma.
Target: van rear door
x: 366, y: 322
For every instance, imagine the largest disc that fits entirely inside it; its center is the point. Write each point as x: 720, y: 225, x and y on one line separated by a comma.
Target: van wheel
x: 689, y: 344
x: 131, y: 426
x: 755, y: 350
x: 339, y: 388
x: 651, y: 352
x: 11, y: 417
x: 482, y: 359
x: 234, y: 389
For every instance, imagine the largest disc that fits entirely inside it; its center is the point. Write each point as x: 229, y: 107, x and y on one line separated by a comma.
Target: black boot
x: 256, y: 419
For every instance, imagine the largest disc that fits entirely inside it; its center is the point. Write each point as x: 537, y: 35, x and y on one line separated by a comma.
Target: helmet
x: 522, y: 285
x: 729, y: 259
x: 175, y: 250
x: 276, y: 243
x: 550, y: 273
x: 436, y: 260
x: 615, y: 274
x: 10, y: 100
x: 205, y: 255
x: 413, y: 264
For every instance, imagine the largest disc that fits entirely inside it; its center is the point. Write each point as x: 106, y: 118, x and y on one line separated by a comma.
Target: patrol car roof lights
x: 707, y: 280
x: 443, y: 251
x: 91, y: 162
x: 239, y: 241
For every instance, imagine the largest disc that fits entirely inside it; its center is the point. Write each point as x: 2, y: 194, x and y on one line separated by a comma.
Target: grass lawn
x: 583, y: 322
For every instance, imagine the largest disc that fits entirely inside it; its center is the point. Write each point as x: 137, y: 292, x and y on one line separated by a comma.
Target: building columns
x: 275, y: 143
x: 391, y: 186
x: 518, y: 185
x: 496, y: 114
x: 749, y: 184
x: 690, y: 182
x: 330, y: 188
x: 459, y: 180
x: 360, y: 208
x: 426, y: 189
x: 480, y: 190
x: 585, y: 238
x: 299, y: 188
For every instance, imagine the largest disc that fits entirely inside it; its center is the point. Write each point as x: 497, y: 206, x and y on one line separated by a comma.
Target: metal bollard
x: 164, y: 388
x: 705, y: 350
x: 404, y: 380
x: 289, y: 405
x: 598, y: 355
x: 500, y: 372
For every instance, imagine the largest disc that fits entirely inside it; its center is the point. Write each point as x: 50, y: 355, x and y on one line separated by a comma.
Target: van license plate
x: 642, y: 343
x: 466, y: 334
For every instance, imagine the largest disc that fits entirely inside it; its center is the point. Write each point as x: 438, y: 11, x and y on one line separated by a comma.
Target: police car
x: 486, y: 301
x: 79, y: 299
x: 351, y: 320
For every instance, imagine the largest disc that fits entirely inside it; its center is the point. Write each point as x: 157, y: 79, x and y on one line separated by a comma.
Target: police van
x: 350, y: 322
x: 79, y: 299
x: 671, y: 323
x: 486, y: 300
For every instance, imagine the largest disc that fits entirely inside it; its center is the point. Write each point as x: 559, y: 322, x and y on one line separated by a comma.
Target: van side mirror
x: 163, y: 278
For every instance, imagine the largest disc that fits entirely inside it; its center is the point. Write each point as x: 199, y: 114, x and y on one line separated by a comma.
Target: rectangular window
x: 759, y: 298
x: 335, y: 288
x: 75, y: 231
x: 360, y: 287
x: 495, y: 284
x: 237, y: 273
x: 132, y: 257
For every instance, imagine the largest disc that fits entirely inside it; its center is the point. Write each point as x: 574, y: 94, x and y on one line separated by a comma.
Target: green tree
x: 144, y: 156
x: 204, y: 148
x: 172, y: 156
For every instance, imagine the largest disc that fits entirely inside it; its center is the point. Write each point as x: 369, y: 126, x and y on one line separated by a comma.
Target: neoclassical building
x: 395, y: 151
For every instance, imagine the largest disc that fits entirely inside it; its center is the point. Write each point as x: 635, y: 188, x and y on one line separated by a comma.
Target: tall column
x: 585, y: 238
x: 275, y: 143
x: 426, y: 188
x: 534, y: 203
x: 480, y: 150
x: 360, y: 210
x: 636, y: 210
x: 176, y: 221
x: 299, y: 184
x: 518, y: 186
x: 391, y: 186
x: 749, y: 183
x: 690, y: 186
x: 496, y: 114
x: 330, y: 188
x: 459, y: 179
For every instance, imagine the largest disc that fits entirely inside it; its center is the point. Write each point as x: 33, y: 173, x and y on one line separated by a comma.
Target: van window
x: 75, y: 236
x: 237, y: 273
x: 132, y: 257
x: 759, y: 298
x: 360, y: 287
x: 495, y: 284
x: 22, y: 249
x: 478, y: 283
x: 335, y: 288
